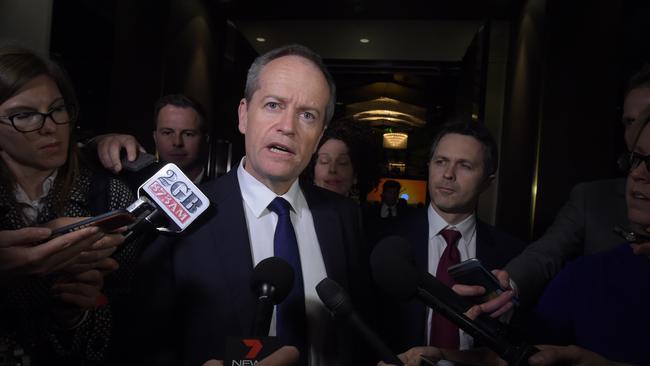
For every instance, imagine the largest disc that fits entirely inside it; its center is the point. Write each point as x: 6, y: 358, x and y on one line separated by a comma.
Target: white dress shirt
x: 30, y: 208
x: 388, y: 211
x: 261, y: 224
x: 437, y: 244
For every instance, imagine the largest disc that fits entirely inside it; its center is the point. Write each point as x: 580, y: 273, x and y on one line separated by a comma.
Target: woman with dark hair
x: 62, y: 316
x: 346, y: 161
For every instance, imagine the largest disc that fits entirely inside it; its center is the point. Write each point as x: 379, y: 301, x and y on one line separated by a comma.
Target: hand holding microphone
x: 394, y: 271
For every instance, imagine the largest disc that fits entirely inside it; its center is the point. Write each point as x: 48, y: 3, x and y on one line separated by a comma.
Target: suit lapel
x: 419, y: 229
x: 329, y: 233
x: 233, y: 246
x: 420, y: 239
x: 486, y: 250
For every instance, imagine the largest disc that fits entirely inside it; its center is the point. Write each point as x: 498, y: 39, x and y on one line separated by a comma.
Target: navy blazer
x: 403, y: 325
x: 197, y: 287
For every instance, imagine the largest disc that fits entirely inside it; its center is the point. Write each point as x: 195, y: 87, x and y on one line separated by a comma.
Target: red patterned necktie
x: 444, y: 334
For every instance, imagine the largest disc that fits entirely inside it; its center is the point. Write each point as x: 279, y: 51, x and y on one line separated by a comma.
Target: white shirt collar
x: 466, y: 227
x: 199, y: 177
x: 31, y: 208
x: 258, y: 196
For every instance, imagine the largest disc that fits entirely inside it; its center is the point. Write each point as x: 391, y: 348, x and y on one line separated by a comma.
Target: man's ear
x: 155, y: 139
x: 318, y: 142
x: 487, y: 182
x: 242, y: 112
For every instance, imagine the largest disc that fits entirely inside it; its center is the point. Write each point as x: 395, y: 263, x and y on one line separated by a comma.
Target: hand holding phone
x: 471, y: 272
x: 143, y: 160
x: 106, y: 222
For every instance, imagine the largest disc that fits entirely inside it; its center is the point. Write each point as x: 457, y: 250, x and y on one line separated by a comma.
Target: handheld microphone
x: 339, y: 304
x: 394, y: 271
x: 168, y: 202
x: 272, y: 281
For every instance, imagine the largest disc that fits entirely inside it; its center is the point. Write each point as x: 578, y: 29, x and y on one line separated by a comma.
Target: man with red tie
x: 463, y: 163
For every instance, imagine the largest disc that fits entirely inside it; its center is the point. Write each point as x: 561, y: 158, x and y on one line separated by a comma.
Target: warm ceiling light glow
x: 395, y: 140
x: 364, y: 40
x: 382, y: 112
x: 260, y: 39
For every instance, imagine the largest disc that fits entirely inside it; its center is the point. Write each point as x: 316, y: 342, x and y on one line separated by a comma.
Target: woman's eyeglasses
x: 34, y: 121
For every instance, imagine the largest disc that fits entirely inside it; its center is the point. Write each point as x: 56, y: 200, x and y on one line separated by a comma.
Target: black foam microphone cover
x: 276, y: 272
x: 393, y: 268
x: 336, y: 300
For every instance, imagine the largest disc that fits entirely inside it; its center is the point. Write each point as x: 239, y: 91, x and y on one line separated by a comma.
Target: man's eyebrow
x: 275, y: 97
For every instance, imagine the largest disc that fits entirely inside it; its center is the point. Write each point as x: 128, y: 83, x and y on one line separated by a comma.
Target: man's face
x: 178, y: 137
x: 390, y: 195
x: 638, y: 185
x: 456, y: 174
x: 283, y: 121
x: 635, y: 107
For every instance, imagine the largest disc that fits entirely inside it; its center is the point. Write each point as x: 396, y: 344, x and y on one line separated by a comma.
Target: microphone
x: 168, y: 202
x: 272, y: 281
x: 339, y: 304
x: 394, y: 271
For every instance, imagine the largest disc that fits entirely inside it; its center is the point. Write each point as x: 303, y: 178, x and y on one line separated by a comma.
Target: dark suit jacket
x: 403, y: 325
x: 584, y: 225
x: 377, y: 227
x: 198, y: 287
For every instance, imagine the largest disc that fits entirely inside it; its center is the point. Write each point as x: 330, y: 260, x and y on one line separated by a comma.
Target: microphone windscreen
x: 276, y: 272
x: 333, y: 296
x: 393, y: 268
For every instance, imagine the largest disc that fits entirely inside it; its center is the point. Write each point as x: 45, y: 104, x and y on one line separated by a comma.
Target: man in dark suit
x: 180, y: 135
x: 379, y: 217
x: 198, y: 286
x: 463, y: 163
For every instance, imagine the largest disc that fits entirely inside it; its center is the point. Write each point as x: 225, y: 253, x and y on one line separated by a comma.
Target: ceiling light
x: 260, y: 39
x: 395, y: 140
x: 364, y: 40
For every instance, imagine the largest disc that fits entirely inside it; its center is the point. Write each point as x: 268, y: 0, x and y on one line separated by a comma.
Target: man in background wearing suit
x: 180, y: 135
x: 462, y: 164
x: 200, y: 290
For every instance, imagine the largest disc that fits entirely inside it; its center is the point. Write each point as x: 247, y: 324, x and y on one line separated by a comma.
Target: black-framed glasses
x: 34, y: 121
x: 632, y: 160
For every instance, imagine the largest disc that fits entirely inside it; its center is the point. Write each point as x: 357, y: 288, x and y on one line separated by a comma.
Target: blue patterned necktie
x: 290, y: 316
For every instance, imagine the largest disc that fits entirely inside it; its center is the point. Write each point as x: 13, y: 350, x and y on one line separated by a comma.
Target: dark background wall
x: 563, y: 125
x: 566, y: 67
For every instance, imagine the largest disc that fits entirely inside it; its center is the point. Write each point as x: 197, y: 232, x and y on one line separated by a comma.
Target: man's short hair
x: 641, y: 79
x: 478, y: 131
x: 252, y: 79
x: 391, y: 184
x: 180, y: 101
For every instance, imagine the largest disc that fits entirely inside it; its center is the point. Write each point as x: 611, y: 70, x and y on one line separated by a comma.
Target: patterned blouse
x: 25, y: 320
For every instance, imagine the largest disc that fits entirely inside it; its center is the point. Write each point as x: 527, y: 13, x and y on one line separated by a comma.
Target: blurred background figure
x: 392, y: 205
x: 347, y: 160
x: 56, y: 310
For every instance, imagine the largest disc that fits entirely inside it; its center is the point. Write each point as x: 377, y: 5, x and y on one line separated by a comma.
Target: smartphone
x: 107, y: 222
x: 472, y: 272
x: 142, y: 161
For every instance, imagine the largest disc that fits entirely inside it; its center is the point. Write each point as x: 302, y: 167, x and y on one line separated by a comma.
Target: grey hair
x: 252, y: 79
